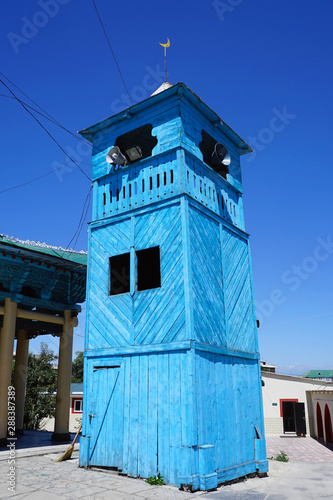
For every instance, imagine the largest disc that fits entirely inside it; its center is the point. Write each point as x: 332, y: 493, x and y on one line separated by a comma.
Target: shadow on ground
x: 37, y: 439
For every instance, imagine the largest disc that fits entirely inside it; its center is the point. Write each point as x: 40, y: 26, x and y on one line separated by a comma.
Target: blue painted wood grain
x: 171, y: 373
x: 165, y: 406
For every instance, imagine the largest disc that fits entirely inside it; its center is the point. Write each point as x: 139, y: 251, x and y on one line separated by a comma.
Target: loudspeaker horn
x: 221, y: 159
x: 116, y: 157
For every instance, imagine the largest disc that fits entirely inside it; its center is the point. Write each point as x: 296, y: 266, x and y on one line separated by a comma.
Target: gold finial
x: 165, y: 45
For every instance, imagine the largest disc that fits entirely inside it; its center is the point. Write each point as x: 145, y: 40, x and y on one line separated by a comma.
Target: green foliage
x: 155, y: 480
x: 41, y: 385
x: 77, y: 368
x: 282, y: 457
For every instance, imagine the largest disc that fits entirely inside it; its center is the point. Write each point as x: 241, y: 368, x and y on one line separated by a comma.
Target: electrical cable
x: 87, y: 143
x: 36, y: 178
x: 44, y: 111
x: 28, y: 182
x: 51, y: 119
x: 79, y: 227
x: 113, y: 55
x: 48, y: 133
x: 82, y: 218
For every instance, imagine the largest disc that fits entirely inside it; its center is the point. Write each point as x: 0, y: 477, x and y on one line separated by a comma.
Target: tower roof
x: 180, y: 90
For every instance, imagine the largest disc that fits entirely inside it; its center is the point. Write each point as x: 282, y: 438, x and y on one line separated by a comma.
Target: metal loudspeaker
x: 115, y: 157
x: 220, y: 159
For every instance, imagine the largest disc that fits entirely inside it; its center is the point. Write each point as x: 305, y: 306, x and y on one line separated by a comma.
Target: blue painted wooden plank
x: 189, y: 440
x: 163, y: 415
x: 187, y: 268
x: 230, y: 412
x: 127, y: 350
x: 200, y: 378
x: 104, y: 338
x: 143, y: 438
x: 117, y: 430
x: 120, y: 330
x: 110, y: 221
x: 175, y: 415
x: 152, y: 420
x: 210, y: 384
x: 220, y: 387
x: 126, y: 415
x: 178, y: 330
x: 134, y: 416
x: 155, y: 327
x: 110, y: 423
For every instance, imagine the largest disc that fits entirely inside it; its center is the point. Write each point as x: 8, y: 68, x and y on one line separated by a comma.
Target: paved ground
x: 308, y: 475
x: 298, y: 449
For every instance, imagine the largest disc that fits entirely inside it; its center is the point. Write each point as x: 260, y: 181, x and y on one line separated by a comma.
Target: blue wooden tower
x: 172, y: 369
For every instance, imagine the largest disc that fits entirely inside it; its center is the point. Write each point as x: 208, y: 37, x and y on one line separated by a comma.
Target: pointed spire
x: 164, y: 86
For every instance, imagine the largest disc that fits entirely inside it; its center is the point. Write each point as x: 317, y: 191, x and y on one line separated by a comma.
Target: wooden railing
x: 161, y: 177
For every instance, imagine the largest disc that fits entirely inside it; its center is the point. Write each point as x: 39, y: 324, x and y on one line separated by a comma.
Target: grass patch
x: 155, y: 480
x: 280, y: 457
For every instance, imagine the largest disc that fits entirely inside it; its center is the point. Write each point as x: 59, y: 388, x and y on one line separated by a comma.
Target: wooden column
x: 61, y: 427
x: 20, y: 377
x: 6, y: 359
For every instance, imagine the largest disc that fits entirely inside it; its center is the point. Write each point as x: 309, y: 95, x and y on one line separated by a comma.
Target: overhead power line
x: 78, y: 230
x: 113, y: 55
x: 45, y: 129
x: 82, y: 219
x: 17, y: 186
x: 50, y: 119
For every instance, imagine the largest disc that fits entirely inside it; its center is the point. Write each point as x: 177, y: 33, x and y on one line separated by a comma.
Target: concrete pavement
x: 38, y: 477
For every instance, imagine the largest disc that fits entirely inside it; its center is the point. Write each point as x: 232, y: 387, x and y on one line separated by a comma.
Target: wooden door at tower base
x: 106, y: 415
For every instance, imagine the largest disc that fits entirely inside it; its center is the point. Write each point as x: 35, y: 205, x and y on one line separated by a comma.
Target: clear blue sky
x: 264, y: 67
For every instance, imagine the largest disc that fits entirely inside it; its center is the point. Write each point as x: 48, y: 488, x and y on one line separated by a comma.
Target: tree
x: 41, y: 387
x: 77, y: 367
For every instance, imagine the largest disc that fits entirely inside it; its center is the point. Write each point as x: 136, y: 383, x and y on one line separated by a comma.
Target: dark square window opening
x: 149, y: 270
x: 141, y: 137
x: 120, y: 274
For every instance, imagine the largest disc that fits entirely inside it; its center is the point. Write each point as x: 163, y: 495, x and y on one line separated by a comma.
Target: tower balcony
x: 161, y: 177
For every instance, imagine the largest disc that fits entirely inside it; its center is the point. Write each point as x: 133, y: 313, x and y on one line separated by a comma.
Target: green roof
x: 318, y: 374
x: 43, y: 248
x: 76, y: 387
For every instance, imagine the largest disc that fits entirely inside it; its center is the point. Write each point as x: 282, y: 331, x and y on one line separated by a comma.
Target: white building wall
x: 279, y: 387
x: 47, y: 424
x: 322, y: 398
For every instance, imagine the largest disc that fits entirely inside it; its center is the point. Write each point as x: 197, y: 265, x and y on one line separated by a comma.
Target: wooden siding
x: 166, y: 411
x: 172, y: 376
x: 141, y: 317
x: 242, y: 332
x: 207, y: 279
x: 159, y: 314
x: 109, y: 318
